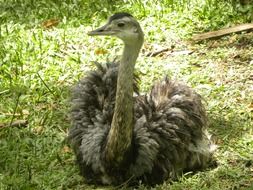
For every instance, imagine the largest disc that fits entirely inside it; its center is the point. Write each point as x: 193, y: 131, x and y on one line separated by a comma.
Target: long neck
x: 120, y: 135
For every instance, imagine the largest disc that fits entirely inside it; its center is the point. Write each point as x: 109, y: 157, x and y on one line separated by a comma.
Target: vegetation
x: 41, y: 58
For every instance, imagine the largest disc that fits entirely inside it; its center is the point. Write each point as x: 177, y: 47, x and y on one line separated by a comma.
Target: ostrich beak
x: 102, y: 31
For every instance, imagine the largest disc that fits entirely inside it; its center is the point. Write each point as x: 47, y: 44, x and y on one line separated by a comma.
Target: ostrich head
x: 123, y: 26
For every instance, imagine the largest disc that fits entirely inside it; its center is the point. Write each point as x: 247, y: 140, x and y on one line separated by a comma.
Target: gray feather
x: 169, y: 130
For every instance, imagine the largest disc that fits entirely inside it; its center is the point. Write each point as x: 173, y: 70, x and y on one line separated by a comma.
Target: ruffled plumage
x: 169, y: 130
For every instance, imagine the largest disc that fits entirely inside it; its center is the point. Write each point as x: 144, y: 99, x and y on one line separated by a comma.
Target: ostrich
x: 118, y: 137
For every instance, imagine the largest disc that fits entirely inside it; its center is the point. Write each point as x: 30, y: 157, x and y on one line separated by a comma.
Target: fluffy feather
x: 169, y: 130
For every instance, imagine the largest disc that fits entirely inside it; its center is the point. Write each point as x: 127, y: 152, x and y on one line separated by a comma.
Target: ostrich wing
x: 169, y: 133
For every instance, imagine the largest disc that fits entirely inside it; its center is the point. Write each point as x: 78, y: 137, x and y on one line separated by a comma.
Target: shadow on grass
x: 229, y: 125
x: 31, y: 11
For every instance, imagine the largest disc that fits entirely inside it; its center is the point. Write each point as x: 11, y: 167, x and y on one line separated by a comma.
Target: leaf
x: 251, y: 106
x: 25, y: 112
x: 38, y: 129
x: 100, y: 51
x: 66, y: 149
x: 50, y: 23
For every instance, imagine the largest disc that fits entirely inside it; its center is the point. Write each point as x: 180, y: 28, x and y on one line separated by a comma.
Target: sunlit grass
x: 38, y: 66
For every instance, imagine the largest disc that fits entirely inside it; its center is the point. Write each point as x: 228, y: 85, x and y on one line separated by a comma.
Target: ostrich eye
x: 121, y: 24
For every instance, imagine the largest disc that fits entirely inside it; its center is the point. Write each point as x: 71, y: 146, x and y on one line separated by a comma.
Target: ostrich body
x: 118, y: 137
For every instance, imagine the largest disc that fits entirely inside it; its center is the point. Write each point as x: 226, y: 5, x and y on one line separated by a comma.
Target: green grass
x: 38, y: 66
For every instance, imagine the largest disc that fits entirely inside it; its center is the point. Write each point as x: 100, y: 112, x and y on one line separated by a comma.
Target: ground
x: 44, y: 50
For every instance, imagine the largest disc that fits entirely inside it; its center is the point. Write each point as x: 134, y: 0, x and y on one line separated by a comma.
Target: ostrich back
x: 169, y: 130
